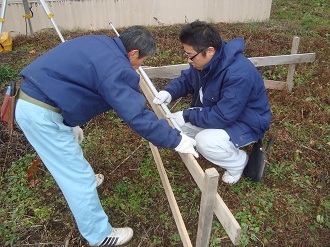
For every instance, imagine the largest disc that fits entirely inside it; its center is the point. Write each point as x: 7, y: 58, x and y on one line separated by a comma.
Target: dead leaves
x: 31, y: 173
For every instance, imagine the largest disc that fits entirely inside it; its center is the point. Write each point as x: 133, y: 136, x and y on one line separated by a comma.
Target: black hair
x: 200, y: 35
x: 138, y: 38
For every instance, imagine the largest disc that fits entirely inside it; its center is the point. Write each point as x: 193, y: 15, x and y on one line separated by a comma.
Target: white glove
x: 162, y: 97
x: 78, y: 134
x: 178, y: 117
x: 186, y: 146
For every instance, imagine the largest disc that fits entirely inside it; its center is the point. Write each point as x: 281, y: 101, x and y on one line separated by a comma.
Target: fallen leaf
x: 32, y: 172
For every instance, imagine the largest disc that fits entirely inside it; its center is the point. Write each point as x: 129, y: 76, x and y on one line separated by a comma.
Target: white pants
x: 216, y: 147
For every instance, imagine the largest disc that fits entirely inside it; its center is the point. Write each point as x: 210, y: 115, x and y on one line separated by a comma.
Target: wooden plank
x: 269, y: 84
x: 227, y: 220
x: 172, y: 71
x: 170, y: 197
x: 209, y: 192
x: 169, y: 71
x: 283, y: 59
x: 292, y: 67
x: 222, y: 212
x: 278, y: 85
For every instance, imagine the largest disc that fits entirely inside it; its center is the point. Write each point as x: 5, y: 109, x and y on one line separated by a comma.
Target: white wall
x: 96, y: 14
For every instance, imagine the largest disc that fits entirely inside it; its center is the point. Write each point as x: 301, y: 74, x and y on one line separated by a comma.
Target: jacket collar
x: 224, y: 57
x: 121, y: 46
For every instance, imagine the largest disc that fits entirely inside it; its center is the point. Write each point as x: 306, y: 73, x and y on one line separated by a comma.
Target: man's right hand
x: 186, y: 146
x: 162, y: 97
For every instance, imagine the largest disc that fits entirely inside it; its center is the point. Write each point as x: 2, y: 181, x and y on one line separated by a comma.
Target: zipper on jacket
x: 199, y: 87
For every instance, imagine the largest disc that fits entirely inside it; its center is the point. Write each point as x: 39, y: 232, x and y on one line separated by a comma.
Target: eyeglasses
x: 191, y: 58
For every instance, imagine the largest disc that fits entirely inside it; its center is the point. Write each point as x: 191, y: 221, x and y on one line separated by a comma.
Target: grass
x: 24, y: 207
x: 289, y: 207
x: 7, y: 74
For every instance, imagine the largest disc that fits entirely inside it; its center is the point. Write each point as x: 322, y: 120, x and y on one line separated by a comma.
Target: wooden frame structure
x: 207, y: 182
x: 211, y: 202
x: 173, y: 71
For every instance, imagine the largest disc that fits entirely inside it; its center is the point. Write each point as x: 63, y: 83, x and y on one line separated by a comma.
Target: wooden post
x: 170, y: 197
x: 209, y: 192
x: 292, y: 67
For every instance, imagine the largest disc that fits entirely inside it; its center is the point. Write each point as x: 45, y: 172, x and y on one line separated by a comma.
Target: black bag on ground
x: 257, y: 163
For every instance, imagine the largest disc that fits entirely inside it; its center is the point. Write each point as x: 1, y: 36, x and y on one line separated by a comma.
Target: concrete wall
x: 96, y: 14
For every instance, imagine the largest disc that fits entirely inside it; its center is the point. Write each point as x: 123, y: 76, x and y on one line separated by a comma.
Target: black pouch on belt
x: 8, y: 107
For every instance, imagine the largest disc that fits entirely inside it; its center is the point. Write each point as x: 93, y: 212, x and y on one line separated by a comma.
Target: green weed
x: 22, y: 204
x: 7, y: 74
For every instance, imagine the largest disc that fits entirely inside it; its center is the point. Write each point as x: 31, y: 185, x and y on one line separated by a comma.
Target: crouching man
x: 229, y: 108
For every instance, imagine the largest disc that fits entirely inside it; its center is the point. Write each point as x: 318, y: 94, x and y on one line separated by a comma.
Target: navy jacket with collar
x: 234, y: 95
x: 89, y: 75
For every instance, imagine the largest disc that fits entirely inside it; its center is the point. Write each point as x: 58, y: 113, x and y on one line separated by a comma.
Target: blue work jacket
x: 89, y: 75
x: 233, y: 95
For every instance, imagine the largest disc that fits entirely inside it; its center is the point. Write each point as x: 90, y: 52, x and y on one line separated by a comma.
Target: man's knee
x: 211, y: 137
x: 211, y: 141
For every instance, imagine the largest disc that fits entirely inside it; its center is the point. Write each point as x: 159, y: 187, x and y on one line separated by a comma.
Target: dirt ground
x: 263, y: 42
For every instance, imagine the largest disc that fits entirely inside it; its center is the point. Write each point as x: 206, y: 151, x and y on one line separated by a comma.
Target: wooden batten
x: 209, y: 192
x: 171, y: 198
x: 278, y: 85
x: 282, y: 59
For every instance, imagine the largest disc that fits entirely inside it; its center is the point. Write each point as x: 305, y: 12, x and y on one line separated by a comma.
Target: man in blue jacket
x: 229, y: 108
x: 65, y: 88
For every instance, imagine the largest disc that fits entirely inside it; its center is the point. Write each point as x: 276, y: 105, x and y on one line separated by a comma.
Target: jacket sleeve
x: 230, y: 103
x: 122, y: 93
x: 181, y: 86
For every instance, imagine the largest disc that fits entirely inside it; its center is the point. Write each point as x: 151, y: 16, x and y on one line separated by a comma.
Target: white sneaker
x: 231, y: 179
x: 118, y: 236
x: 99, y: 179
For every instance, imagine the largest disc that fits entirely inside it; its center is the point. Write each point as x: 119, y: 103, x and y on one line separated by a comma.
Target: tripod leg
x: 2, y: 17
x: 50, y: 16
x: 28, y: 15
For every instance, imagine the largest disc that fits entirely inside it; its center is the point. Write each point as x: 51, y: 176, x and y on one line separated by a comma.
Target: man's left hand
x: 177, y: 116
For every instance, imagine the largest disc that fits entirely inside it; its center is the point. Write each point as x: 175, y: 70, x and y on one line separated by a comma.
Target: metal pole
x: 27, y: 15
x: 50, y: 16
x: 2, y: 17
x: 152, y: 87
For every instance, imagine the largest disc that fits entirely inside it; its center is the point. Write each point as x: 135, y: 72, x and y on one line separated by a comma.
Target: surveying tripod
x: 28, y: 16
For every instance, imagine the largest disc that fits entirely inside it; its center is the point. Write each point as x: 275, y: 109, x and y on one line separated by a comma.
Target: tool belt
x: 27, y: 98
x: 9, y: 103
x: 8, y: 107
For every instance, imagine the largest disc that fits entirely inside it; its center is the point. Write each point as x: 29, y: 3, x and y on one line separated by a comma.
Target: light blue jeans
x: 54, y: 142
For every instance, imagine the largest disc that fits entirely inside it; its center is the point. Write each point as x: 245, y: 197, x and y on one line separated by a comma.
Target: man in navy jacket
x: 229, y: 108
x: 65, y: 88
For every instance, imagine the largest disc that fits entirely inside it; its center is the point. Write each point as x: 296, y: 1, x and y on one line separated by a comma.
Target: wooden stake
x: 170, y: 197
x: 209, y: 192
x: 292, y: 67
